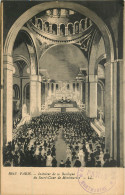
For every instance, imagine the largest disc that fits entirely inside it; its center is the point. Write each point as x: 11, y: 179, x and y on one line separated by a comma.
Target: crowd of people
x: 34, y: 144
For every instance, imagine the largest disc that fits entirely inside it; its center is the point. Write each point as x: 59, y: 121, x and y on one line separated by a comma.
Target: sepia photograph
x: 62, y: 84
x: 62, y: 97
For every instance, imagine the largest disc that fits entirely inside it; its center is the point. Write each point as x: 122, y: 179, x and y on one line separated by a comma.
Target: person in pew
x: 62, y: 164
x: 77, y: 163
x: 68, y: 163
x: 54, y: 162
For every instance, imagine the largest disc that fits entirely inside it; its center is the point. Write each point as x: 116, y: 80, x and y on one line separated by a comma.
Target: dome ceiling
x: 60, y: 24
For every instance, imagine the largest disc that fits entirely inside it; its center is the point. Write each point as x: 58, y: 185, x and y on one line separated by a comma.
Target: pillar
x: 54, y: 89
x: 66, y: 30
x: 35, y: 95
x: 87, y: 95
x: 115, y: 104
x: 74, y: 29
x: 58, y: 30
x: 80, y: 28
x: 109, y: 136
x: 102, y: 99
x: 114, y: 134
x: 7, y: 98
x: 118, y: 116
x: 46, y: 91
x: 86, y: 23
x: 50, y: 28
x: 92, y: 96
x: 81, y: 91
x: 50, y: 92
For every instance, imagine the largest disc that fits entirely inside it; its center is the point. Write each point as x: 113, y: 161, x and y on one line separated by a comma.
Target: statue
x: 100, y: 117
x: 24, y: 110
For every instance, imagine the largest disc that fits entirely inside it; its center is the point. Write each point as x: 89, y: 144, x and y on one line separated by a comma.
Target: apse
x: 62, y: 62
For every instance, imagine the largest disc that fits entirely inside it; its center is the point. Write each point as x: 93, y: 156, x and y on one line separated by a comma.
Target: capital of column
x: 93, y: 78
x: 8, y: 62
x: 35, y: 78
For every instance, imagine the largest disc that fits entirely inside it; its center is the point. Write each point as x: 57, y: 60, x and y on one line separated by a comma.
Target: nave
x: 57, y: 140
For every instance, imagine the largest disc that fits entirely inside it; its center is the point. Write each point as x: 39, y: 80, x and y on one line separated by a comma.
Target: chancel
x: 63, y: 85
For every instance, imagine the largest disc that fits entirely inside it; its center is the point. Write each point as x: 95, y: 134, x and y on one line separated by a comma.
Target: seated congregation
x: 34, y: 144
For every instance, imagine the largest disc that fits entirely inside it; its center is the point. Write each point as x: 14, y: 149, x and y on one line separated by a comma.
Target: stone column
x: 87, y: 95
x: 74, y: 29
x: 102, y: 99
x: 80, y: 28
x: 92, y: 96
x: 50, y: 28
x: 46, y: 91
x: 50, y: 91
x: 81, y: 91
x: 66, y: 30
x: 109, y: 107
x: 114, y: 114
x: 58, y: 30
x: 118, y: 114
x: 7, y: 98
x: 35, y: 95
x: 54, y: 89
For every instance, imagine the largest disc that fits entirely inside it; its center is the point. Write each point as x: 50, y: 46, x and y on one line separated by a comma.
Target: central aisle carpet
x: 60, y: 148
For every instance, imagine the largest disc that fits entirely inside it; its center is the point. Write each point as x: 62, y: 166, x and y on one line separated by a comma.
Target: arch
x: 8, y: 47
x: 70, y: 28
x: 82, y: 22
x: 20, y: 58
x: 26, y: 96
x: 40, y: 23
x: 100, y: 95
x: 54, y: 29
x: 99, y: 98
x: 30, y: 35
x: 16, y: 92
x: 102, y: 85
x: 102, y: 57
x: 62, y: 29
x: 46, y: 26
x: 93, y: 53
x: 52, y: 87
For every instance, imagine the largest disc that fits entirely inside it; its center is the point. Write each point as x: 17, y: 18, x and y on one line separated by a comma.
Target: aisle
x: 60, y: 148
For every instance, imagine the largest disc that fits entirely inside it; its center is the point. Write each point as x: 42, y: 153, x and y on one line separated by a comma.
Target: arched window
x: 76, y: 27
x: 68, y: 86
x: 99, y: 95
x: 70, y: 29
x: 26, y: 92
x: 39, y: 25
x: 52, y: 87
x: 26, y: 96
x: 48, y: 86
x: 77, y: 86
x: 82, y: 24
x: 62, y: 29
x: 54, y: 29
x: 57, y: 86
x: 46, y: 27
x: 73, y: 86
x: 16, y: 92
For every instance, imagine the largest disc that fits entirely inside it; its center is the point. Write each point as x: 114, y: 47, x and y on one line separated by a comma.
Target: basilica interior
x: 63, y: 62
